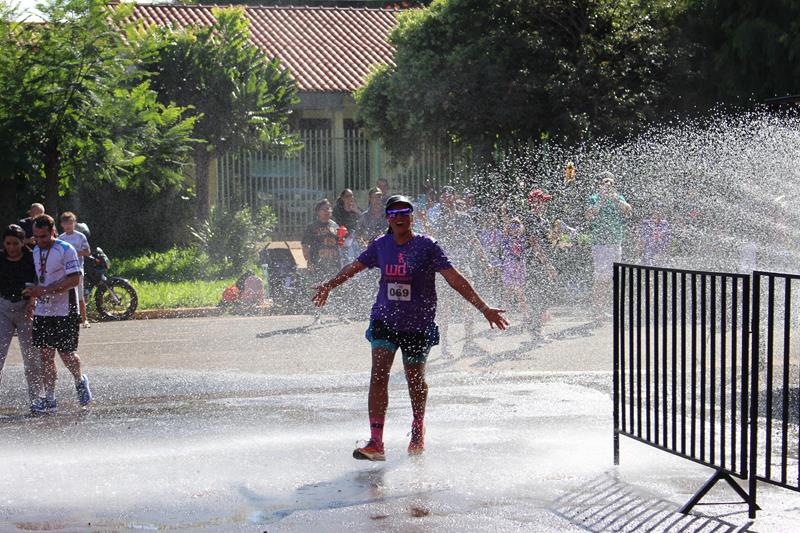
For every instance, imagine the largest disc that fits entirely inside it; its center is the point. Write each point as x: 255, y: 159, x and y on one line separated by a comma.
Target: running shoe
x: 50, y: 406
x: 373, y: 451
x: 417, y: 444
x: 38, y: 406
x: 84, y: 393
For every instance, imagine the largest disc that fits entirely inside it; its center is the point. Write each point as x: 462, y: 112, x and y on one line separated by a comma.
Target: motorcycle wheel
x: 116, y: 300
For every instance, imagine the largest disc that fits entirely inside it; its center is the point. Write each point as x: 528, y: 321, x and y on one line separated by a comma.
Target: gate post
x: 755, y: 302
x: 616, y: 377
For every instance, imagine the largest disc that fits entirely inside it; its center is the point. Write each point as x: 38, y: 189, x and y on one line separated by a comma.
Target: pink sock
x: 376, y: 428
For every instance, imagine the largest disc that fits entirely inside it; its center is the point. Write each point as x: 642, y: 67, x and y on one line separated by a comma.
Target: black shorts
x: 416, y: 345
x: 59, y: 332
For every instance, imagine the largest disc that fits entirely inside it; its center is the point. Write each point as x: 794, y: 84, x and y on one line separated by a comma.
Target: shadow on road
x: 316, y: 324
x: 607, y: 504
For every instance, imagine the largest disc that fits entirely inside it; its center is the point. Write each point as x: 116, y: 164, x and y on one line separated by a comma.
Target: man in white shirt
x: 55, y: 317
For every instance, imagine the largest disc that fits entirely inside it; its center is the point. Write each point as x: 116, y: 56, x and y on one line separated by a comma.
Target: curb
x: 195, y: 312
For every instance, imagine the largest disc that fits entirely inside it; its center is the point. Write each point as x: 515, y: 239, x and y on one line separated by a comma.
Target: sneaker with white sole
x: 417, y: 444
x: 50, y: 406
x: 373, y: 451
x: 38, y: 406
x: 83, y: 390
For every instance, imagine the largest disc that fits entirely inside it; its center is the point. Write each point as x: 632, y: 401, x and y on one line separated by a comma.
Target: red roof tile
x: 327, y: 49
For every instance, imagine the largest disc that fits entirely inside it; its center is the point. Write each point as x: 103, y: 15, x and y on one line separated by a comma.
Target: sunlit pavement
x: 248, y: 424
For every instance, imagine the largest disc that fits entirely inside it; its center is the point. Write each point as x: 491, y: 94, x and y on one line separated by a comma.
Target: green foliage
x: 241, y: 99
x: 147, y: 138
x: 174, y: 265
x: 231, y: 239
x: 74, y: 106
x: 739, y: 50
x: 490, y: 75
x: 179, y: 294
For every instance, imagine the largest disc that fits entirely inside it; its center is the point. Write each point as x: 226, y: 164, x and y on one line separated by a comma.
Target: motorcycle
x: 115, y: 298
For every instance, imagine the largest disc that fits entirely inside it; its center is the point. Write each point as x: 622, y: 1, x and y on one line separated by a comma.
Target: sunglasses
x: 394, y: 213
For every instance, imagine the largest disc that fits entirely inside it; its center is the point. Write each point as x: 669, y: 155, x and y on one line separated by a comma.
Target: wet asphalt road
x: 247, y: 424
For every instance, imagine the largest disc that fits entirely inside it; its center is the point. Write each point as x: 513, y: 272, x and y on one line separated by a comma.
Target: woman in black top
x: 346, y: 213
x: 16, y: 313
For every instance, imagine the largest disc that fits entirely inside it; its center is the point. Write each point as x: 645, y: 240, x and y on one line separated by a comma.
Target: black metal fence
x: 777, y: 379
x: 682, y: 369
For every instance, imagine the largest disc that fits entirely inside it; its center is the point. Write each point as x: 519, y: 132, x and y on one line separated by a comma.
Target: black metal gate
x: 682, y: 369
x: 778, y: 415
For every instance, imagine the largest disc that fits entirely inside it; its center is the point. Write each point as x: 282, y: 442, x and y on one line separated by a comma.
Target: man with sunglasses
x: 606, y: 210
x: 403, y: 316
x: 55, y: 316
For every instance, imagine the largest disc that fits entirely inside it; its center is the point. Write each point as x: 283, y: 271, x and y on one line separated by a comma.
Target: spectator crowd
x: 42, y: 302
x: 527, y: 257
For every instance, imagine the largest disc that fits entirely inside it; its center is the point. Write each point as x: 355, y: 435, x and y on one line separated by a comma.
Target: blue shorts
x: 416, y: 345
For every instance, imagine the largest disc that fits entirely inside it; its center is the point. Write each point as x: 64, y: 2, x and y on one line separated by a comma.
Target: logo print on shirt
x: 399, y: 269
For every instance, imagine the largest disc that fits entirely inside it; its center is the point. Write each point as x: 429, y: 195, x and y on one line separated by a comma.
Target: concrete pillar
x: 338, y: 151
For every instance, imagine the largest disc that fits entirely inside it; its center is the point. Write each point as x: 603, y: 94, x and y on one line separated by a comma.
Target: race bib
x: 399, y: 292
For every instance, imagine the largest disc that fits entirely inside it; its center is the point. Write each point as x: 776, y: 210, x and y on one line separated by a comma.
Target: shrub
x: 176, y: 264
x: 230, y: 239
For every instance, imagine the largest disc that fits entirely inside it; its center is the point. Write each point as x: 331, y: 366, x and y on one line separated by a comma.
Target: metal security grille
x: 776, y: 384
x: 290, y: 185
x: 321, y: 169
x: 682, y: 368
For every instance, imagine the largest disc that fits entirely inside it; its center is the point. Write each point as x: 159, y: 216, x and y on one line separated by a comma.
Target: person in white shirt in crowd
x: 55, y: 318
x: 80, y: 242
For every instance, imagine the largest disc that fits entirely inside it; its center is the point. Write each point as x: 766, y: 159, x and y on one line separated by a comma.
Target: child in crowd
x: 655, y: 235
x: 81, y: 244
x: 512, y: 252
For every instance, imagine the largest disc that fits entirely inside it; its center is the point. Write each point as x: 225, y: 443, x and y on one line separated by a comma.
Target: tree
x: 74, y: 107
x: 490, y: 75
x: 241, y: 98
x: 739, y: 50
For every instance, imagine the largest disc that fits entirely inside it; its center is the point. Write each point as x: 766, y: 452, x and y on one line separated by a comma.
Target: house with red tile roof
x: 329, y: 51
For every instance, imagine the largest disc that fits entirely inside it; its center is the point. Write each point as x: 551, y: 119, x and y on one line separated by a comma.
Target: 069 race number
x: 399, y: 292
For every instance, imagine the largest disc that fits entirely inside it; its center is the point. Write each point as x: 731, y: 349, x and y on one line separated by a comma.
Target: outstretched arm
x: 321, y: 291
x: 464, y: 288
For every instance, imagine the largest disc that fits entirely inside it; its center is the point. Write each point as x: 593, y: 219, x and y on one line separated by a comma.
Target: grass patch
x: 174, y: 294
x: 179, y: 277
x: 176, y: 264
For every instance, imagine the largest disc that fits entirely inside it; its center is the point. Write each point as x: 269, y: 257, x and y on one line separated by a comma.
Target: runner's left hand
x: 320, y: 295
x: 496, y: 318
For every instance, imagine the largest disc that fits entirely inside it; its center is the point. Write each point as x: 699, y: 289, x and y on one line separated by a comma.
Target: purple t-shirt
x: 407, y: 293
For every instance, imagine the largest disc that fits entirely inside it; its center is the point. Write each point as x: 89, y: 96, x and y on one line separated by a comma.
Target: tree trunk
x: 9, y: 201
x: 51, y: 168
x: 201, y: 161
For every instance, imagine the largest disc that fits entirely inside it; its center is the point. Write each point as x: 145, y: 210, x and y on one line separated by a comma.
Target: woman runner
x: 403, y: 316
x: 16, y: 309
